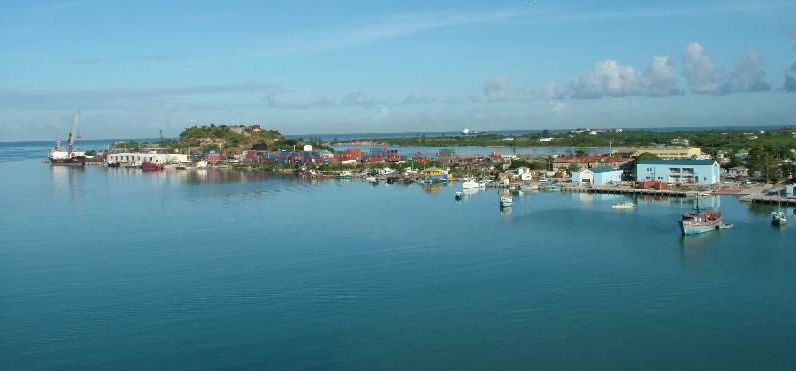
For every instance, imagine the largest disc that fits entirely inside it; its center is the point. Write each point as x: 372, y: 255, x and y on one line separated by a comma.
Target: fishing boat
x: 505, y: 200
x: 151, y: 166
x: 67, y: 156
x: 623, y: 205
x: 700, y: 221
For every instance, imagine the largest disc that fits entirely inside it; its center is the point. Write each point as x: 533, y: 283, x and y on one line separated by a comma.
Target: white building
x: 158, y: 158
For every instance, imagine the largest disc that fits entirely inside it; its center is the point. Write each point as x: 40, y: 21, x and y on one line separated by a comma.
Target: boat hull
x: 690, y: 229
x: 69, y: 162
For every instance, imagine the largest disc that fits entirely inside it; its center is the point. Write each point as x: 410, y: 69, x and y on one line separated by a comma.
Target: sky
x: 133, y: 68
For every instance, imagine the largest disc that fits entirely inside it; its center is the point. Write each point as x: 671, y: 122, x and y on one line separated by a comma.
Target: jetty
x: 628, y: 190
x: 761, y: 198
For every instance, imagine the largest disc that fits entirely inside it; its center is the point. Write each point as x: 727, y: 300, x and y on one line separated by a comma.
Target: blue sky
x: 134, y: 67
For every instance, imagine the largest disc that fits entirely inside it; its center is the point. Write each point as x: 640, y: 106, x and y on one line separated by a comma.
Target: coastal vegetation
x: 782, y: 139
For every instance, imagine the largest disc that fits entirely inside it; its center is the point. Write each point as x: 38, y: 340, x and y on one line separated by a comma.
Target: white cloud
x: 748, y: 76
x: 704, y: 77
x: 495, y: 89
x: 609, y: 78
x: 660, y: 80
x: 701, y: 73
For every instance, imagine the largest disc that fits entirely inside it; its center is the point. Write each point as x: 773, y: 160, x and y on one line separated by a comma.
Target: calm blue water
x: 118, y: 269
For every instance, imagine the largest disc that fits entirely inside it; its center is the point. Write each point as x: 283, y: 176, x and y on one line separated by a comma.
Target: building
x: 139, y: 157
x: 591, y: 161
x: 678, y: 171
x: 738, y: 172
x: 598, y: 176
x: 670, y: 153
x: 434, y: 173
x: 213, y: 157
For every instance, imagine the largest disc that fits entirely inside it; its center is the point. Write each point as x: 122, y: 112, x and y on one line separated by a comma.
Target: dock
x: 759, y: 198
x: 631, y: 191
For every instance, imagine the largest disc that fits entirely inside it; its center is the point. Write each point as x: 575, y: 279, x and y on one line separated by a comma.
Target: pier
x: 759, y: 198
x: 634, y: 191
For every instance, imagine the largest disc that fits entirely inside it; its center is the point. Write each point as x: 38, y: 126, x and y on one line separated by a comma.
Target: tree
x: 647, y: 156
x: 573, y: 167
x: 580, y: 153
x: 545, y: 133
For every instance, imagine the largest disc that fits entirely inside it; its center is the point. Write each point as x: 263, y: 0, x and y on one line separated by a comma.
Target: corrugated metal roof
x: 676, y: 162
x: 603, y: 169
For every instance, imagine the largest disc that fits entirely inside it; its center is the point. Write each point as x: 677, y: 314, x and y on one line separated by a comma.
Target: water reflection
x: 66, y: 180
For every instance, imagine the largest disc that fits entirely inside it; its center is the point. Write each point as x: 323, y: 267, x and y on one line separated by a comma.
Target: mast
x: 71, y: 138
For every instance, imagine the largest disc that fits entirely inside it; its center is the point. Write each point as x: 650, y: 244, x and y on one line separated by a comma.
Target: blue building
x: 598, y: 176
x: 678, y: 171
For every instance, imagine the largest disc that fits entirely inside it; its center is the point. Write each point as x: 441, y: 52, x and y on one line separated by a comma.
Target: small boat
x: 778, y: 218
x: 458, y: 196
x: 114, y: 164
x: 372, y: 179
x: 151, y: 166
x: 623, y: 205
x: 345, y: 175
x: 701, y: 221
x: 505, y: 200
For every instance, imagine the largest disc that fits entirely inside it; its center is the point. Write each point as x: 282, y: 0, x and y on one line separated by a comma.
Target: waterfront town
x: 758, y: 174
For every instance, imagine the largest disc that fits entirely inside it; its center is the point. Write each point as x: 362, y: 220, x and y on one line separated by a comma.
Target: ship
x: 67, y: 156
x: 701, y: 221
x: 151, y: 166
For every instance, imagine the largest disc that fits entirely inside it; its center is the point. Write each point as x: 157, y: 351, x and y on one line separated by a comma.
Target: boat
x: 470, y: 184
x: 505, y: 200
x: 700, y: 221
x: 372, y: 179
x: 623, y: 205
x: 458, y: 196
x: 778, y: 218
x: 345, y: 175
x: 114, y: 164
x: 151, y: 166
x: 67, y: 157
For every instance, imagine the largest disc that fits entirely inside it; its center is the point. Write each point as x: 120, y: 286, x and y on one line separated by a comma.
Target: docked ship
x: 700, y: 221
x: 151, y: 166
x: 67, y: 156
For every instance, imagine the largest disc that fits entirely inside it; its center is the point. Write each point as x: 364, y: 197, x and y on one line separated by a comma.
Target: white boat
x: 779, y: 218
x: 623, y: 205
x: 472, y: 184
x: 372, y: 179
x: 505, y: 200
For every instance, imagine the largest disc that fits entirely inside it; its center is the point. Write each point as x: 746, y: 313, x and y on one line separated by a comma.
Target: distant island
x: 224, y: 139
x: 708, y: 140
